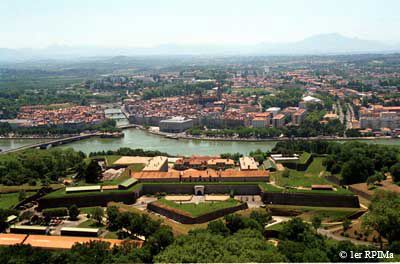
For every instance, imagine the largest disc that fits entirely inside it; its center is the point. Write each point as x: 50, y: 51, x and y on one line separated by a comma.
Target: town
x: 257, y: 102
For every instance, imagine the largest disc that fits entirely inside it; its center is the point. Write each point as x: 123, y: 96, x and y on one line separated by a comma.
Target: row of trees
x: 107, y: 125
x: 242, y: 132
x: 129, y: 152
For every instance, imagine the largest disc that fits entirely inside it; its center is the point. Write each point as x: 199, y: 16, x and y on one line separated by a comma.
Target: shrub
x: 73, y: 212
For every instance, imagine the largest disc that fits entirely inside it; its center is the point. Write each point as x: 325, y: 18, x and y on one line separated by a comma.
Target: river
x: 7, y: 144
x: 135, y: 138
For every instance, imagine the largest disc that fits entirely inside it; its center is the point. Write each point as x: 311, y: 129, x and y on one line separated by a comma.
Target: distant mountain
x: 328, y: 43
x: 318, y: 44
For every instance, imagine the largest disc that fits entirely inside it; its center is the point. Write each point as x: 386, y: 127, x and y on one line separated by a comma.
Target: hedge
x: 55, y: 212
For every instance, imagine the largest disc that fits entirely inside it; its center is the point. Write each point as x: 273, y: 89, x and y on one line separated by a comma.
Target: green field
x: 196, y: 210
x: 313, y: 175
x: 304, y: 157
x: 8, y: 200
x: 88, y: 224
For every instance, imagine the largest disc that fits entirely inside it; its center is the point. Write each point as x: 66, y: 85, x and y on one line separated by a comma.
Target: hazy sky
x: 125, y: 23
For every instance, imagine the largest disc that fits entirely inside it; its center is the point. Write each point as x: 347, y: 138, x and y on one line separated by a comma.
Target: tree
x: 73, y: 212
x: 159, y: 240
x: 112, y: 217
x: 97, y: 215
x: 395, y: 172
x: 384, y: 216
x: 295, y: 230
x: 262, y: 217
x: 346, y: 224
x: 234, y: 222
x: 316, y: 221
x: 3, y: 220
x: 90, y: 252
x: 218, y: 227
x: 201, y: 246
x: 93, y: 172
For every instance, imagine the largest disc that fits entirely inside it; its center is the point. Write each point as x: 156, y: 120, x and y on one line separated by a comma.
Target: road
x: 329, y: 234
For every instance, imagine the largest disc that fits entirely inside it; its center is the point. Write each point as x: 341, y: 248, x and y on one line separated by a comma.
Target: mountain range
x: 322, y: 44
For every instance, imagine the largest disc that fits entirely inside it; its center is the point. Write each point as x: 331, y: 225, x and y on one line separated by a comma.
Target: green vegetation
x: 177, y: 228
x: 276, y: 227
x: 128, y: 152
x: 304, y: 157
x: 236, y: 239
x: 177, y: 89
x: 46, y: 130
x: 26, y: 188
x: 86, y: 210
x: 241, y: 132
x: 201, y: 246
x: 9, y: 200
x: 284, y: 98
x: 313, y: 175
x: 328, y: 214
x: 34, y: 166
x: 90, y: 223
x: 384, y: 218
x: 62, y: 194
x: 196, y: 210
x: 55, y: 212
x: 354, y: 161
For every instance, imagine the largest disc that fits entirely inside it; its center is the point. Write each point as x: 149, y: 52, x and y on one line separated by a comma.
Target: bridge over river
x: 52, y: 143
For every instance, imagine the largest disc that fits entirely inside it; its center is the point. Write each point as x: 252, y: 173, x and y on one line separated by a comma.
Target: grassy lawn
x: 62, y: 194
x: 328, y: 214
x: 111, y: 159
x: 87, y: 210
x: 8, y: 200
x: 89, y: 224
x: 303, y: 178
x: 313, y: 175
x: 177, y: 228
x: 196, y: 210
x: 25, y: 187
x: 276, y: 227
x: 304, y: 157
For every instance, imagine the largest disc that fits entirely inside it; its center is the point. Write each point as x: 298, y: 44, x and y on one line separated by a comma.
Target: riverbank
x: 142, y: 138
x: 185, y: 136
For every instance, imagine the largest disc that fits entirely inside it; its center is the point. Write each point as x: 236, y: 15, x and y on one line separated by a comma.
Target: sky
x: 146, y: 23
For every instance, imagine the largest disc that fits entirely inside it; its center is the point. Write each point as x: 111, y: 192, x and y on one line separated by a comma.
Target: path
x: 328, y: 234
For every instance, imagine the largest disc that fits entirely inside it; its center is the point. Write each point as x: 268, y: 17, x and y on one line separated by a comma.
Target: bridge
x: 51, y: 143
